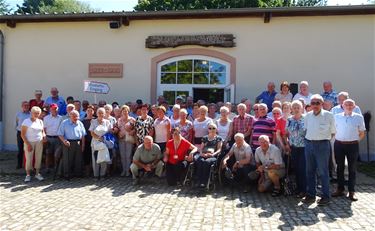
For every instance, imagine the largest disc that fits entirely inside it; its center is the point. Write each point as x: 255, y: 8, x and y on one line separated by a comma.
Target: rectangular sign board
x: 95, y: 87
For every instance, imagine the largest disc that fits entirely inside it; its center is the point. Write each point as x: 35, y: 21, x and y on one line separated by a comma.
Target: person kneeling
x: 175, y: 157
x: 270, y: 166
x: 242, y: 166
x: 147, y: 157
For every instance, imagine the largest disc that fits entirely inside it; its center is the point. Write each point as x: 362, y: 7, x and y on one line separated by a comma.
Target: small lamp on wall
x: 114, y: 24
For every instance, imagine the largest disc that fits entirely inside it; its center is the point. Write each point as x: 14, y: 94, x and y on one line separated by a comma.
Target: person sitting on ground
x: 178, y: 153
x: 210, y: 149
x: 242, y: 156
x: 147, y: 157
x: 270, y: 166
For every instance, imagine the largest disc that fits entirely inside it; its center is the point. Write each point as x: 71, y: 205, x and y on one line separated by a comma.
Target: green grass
x: 367, y: 168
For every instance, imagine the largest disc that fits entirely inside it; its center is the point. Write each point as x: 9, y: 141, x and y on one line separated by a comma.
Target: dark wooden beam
x: 11, y: 23
x: 267, y: 17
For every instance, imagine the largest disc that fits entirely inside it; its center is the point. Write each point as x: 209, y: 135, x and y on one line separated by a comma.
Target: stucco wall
x: 336, y: 48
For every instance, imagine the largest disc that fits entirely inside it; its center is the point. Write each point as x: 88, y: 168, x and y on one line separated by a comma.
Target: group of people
x: 247, y: 143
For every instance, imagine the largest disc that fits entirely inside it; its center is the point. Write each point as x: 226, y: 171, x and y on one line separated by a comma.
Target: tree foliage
x: 4, y: 7
x: 51, y: 6
x: 151, y: 5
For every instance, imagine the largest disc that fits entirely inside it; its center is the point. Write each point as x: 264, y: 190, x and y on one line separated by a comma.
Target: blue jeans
x: 317, y: 159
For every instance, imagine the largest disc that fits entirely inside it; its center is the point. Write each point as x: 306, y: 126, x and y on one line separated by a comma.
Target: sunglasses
x: 315, y: 103
x: 211, y: 128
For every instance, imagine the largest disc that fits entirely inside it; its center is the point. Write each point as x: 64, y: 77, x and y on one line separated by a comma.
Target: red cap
x: 53, y: 105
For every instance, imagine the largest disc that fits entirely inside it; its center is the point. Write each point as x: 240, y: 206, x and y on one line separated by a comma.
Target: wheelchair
x: 213, y: 178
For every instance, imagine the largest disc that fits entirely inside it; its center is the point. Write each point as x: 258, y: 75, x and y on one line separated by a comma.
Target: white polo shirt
x: 306, y: 98
x: 349, y: 126
x: 339, y: 109
x: 272, y: 156
x: 51, y: 124
x: 319, y: 127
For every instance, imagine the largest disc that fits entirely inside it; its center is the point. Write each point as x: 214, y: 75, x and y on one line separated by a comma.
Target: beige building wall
x: 336, y: 48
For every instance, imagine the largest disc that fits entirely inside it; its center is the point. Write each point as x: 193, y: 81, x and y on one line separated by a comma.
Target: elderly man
x: 320, y: 128
x: 350, y: 129
x: 328, y: 93
x: 243, y: 122
x: 72, y: 134
x: 339, y: 108
x: 37, y: 101
x: 268, y: 96
x: 303, y: 93
x: 242, y: 156
x: 147, y: 157
x: 55, y: 98
x: 20, y: 117
x: 263, y: 125
x: 269, y: 166
x: 51, y: 128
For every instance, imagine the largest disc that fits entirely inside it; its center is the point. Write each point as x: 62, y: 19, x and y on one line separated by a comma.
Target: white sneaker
x: 27, y: 178
x: 39, y: 177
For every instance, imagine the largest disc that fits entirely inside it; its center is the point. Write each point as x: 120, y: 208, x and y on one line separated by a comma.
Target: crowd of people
x: 250, y: 144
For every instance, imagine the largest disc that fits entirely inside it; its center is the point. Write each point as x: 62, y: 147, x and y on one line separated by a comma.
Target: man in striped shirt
x: 264, y: 125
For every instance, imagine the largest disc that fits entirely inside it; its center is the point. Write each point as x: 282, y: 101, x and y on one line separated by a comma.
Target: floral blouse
x: 296, y: 131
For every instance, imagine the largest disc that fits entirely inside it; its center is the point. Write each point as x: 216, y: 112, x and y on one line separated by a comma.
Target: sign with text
x: 105, y: 70
x: 216, y: 40
x: 96, y: 87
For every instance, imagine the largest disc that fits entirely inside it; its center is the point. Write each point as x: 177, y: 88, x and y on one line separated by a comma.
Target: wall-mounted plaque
x: 105, y: 70
x: 216, y: 40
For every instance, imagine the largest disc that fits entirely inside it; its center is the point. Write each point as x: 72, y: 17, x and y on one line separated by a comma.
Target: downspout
x: 1, y: 87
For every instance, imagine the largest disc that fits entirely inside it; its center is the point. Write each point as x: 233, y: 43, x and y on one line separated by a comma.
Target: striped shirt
x: 262, y: 126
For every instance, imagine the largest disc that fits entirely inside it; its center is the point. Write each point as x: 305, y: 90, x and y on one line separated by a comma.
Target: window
x: 178, y: 76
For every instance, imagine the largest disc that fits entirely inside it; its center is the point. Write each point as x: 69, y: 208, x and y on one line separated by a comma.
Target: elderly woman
x: 178, y: 152
x: 284, y: 95
x: 126, y: 131
x: 33, y: 136
x: 98, y: 128
x: 295, y: 145
x: 224, y: 126
x: 185, y: 126
x: 162, y: 128
x: 200, y: 125
x: 175, y: 118
x: 210, y: 149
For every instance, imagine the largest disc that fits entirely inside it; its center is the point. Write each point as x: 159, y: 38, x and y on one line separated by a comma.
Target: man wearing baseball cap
x: 38, y: 100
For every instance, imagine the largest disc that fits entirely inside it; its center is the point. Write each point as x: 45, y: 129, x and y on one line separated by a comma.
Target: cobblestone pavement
x: 115, y: 204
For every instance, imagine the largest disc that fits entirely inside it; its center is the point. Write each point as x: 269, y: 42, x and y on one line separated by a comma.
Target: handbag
x: 129, y: 138
x: 289, y: 183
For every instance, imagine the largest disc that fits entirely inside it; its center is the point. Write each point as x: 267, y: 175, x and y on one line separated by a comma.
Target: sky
x: 127, y: 5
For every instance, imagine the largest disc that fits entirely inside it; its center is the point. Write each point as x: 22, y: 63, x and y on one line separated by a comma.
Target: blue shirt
x: 71, y: 131
x: 60, y: 103
x: 267, y: 98
x: 330, y: 96
x: 20, y: 117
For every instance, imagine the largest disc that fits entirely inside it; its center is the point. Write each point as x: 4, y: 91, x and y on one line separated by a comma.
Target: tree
x: 51, y: 6
x: 61, y: 6
x: 151, y: 5
x: 4, y: 7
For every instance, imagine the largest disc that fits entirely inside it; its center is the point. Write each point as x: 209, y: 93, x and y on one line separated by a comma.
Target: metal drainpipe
x: 1, y: 87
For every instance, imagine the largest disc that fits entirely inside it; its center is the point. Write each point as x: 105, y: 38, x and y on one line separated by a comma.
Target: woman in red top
x: 177, y: 154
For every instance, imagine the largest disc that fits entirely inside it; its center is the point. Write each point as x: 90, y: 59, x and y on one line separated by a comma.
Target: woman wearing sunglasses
x: 210, y: 149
